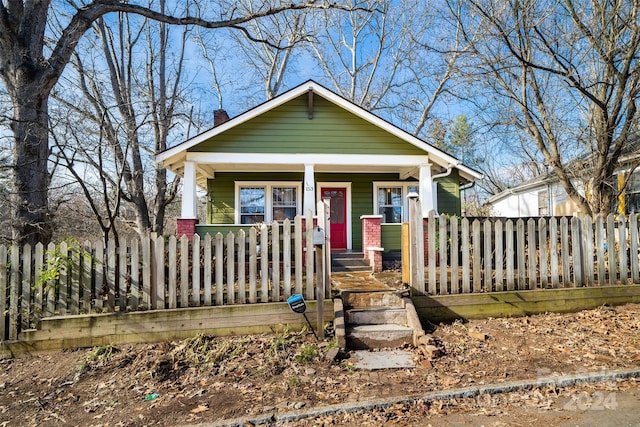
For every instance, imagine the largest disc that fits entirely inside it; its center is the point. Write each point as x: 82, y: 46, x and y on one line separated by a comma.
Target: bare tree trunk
x: 30, y: 215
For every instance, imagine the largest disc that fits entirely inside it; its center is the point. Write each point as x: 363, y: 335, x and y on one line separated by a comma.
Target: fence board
x: 600, y: 251
x: 286, y: 257
x: 264, y: 263
x: 184, y: 271
x: 242, y: 280
x: 444, y: 262
x: 309, y: 254
x: 510, y: 254
x: 476, y: 245
x: 542, y: 253
x: 564, y: 244
x: 633, y: 236
x: 253, y: 260
x: 99, y: 276
x: 521, y: 254
x: 231, y: 274
x: 195, y: 270
x: 153, y: 265
x: 122, y: 276
x: 622, y: 250
x: 431, y: 251
x: 531, y: 254
x: 159, y: 282
x: 87, y: 268
x: 587, y: 252
x: 576, y: 252
x: 553, y: 253
x: 298, y: 253
x: 464, y: 238
x: 38, y: 262
x: 455, y: 247
x: 25, y: 305
x: 488, y: 258
x: 63, y: 280
x: 208, y: 269
x: 14, y: 281
x: 172, y: 280
x: 611, y: 249
x: 146, y: 272
x: 4, y: 273
x: 275, y: 254
x: 499, y: 257
x: 219, y: 269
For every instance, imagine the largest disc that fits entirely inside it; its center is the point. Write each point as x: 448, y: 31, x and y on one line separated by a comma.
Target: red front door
x: 338, y: 216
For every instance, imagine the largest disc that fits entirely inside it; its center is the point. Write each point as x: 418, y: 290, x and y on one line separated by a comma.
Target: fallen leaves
x: 207, y: 378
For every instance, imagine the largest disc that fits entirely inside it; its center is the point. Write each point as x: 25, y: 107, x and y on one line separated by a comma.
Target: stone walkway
x: 357, y: 282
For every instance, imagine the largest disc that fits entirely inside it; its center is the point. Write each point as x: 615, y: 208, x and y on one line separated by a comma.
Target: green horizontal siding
x: 221, y: 192
x: 391, y: 238
x: 449, y: 194
x: 287, y: 129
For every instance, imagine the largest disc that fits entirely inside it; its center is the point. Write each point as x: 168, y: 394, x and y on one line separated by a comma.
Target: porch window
x: 285, y: 203
x: 252, y: 205
x: 390, y: 204
x: 391, y: 201
x: 260, y: 202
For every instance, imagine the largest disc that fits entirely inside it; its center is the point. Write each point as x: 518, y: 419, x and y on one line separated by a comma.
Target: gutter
x: 446, y: 173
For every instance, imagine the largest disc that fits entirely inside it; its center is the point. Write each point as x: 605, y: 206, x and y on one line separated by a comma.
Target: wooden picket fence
x: 266, y: 263
x: 493, y: 255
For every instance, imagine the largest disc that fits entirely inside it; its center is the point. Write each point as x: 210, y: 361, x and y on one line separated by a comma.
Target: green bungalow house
x: 280, y: 158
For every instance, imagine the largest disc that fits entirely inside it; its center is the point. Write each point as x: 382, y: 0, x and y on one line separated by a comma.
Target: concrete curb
x: 276, y: 418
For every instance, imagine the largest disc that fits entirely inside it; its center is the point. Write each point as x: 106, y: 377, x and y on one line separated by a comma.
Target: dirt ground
x: 206, y: 378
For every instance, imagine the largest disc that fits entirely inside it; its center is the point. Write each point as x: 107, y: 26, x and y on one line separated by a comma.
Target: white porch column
x: 309, y: 200
x: 189, y: 197
x: 426, y: 190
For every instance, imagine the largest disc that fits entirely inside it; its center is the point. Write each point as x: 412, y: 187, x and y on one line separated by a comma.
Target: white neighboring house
x: 545, y: 196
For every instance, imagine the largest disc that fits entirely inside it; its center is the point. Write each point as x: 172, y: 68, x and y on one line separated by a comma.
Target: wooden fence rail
x: 256, y: 265
x: 503, y: 255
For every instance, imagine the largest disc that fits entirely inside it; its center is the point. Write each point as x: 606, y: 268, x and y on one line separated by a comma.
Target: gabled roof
x: 173, y: 158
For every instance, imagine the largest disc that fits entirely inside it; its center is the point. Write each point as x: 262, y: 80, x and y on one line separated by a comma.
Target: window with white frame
x: 265, y: 202
x: 390, y: 200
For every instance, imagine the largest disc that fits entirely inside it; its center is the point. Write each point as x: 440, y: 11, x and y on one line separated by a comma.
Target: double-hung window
x: 390, y: 200
x: 258, y: 202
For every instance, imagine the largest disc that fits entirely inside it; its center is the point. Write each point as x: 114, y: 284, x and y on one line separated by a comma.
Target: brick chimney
x: 219, y: 117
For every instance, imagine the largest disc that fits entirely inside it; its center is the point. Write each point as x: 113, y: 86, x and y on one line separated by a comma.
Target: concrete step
x: 363, y: 337
x: 381, y: 299
x: 347, y: 255
x: 349, y: 261
x: 376, y: 316
x: 339, y: 268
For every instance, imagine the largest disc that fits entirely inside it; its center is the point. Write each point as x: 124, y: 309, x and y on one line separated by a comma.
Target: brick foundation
x: 372, y: 241
x: 186, y: 226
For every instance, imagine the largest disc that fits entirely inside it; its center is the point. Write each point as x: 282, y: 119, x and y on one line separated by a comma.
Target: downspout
x: 435, y: 184
x: 465, y: 188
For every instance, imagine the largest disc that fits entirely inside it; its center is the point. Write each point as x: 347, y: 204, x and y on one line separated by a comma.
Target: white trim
x: 176, y: 154
x: 267, y: 185
x: 189, y: 196
x: 347, y: 185
x: 405, y: 190
x: 300, y: 160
